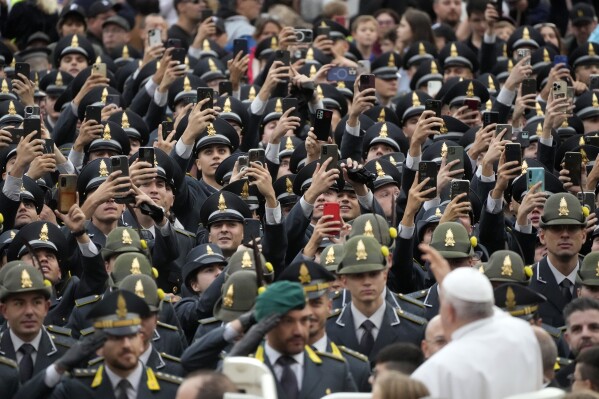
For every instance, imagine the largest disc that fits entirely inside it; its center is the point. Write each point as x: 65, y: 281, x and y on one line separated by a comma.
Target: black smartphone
x: 243, y: 162
x: 529, y: 86
x: 284, y: 56
x: 324, y: 31
x: 32, y: 123
x: 16, y: 134
x: 329, y: 151
x: 366, y: 82
x: 513, y: 152
x: 289, y: 102
x: 594, y: 82
x: 490, y: 117
x: 252, y: 229
x: 433, y: 105
x: 225, y: 86
x: 257, y: 155
x: 167, y: 128
x: 428, y: 169
x: 113, y: 99
x: 322, y: 124
x: 573, y: 163
x: 176, y: 43
x: 499, y: 7
x: 456, y: 152
x: 207, y: 13
x: 508, y: 128
x: 178, y: 54
x: 93, y: 113
x: 203, y: 93
x: 23, y: 68
x: 240, y: 45
x: 49, y: 146
x: 588, y: 199
x: 146, y: 154
x: 121, y: 162
x: 458, y: 187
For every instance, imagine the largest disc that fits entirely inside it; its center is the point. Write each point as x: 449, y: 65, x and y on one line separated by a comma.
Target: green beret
x: 280, y: 297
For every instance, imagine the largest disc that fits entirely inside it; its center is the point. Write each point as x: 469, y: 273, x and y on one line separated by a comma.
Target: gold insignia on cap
x: 121, y: 307
x: 139, y: 289
x: 106, y: 135
x: 126, y: 238
x: 524, y: 167
x: 470, y: 90
x: 453, y: 50
x: 319, y: 92
x: 510, y: 65
x: 26, y: 280
x: 312, y: 71
x: 564, y: 124
x: 421, y: 49
x: 11, y: 109
x: 330, y: 258
x: 415, y: 100
x: 341, y: 85
x: 597, y: 270
x: 392, y: 160
x: 135, y: 267
x: 581, y: 141
x: 58, y: 81
x: 186, y: 84
x: 383, y: 132
x: 12, y: 235
x: 289, y: 144
x: 22, y: 189
x: 104, y: 95
x: 245, y: 191
x: 252, y: 93
x: 449, y: 241
x: 538, y: 109
x: 278, y: 106
x: 288, y: 186
x: 585, y: 159
x: 206, y: 45
x: 228, y: 298
x: 361, y: 253
x: 444, y: 150
x: 580, y: 13
x: 506, y: 269
x: 4, y: 86
x: 438, y: 213
x: 391, y: 62
x: 489, y: 105
x: 510, y: 298
x: 491, y: 84
x: 125, y: 53
x: 75, y: 41
x: 525, y: 34
x: 443, y: 130
x: 546, y: 55
x: 382, y: 116
x: 379, y: 169
x: 211, y: 131
x: 98, y: 60
x: 504, y: 50
x: 591, y: 50
x: 212, y: 65
x: 595, y: 102
x: 563, y: 207
x: 209, y: 250
x: 304, y: 275
x: 246, y: 260
x: 227, y: 105
x: 44, y: 232
x: 324, y: 24
x: 434, y: 68
x: 273, y: 43
x: 125, y: 121
x: 368, y: 232
x: 103, y: 169
x: 222, y: 205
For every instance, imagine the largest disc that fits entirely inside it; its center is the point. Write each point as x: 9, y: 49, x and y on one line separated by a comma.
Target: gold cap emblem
x: 310, y: 54
x: 392, y: 160
x: 470, y: 90
x: 506, y: 269
x: 186, y: 84
x: 104, y: 95
x: 135, y: 267
x: 421, y: 49
x: 524, y: 167
x: 289, y: 144
x: 525, y: 34
x: 11, y: 108
x: 391, y: 62
x: 319, y: 92
x: 252, y: 94
x: 383, y: 132
x: 44, y: 232
x: 510, y: 65
x: 449, y: 241
x: 563, y: 207
x: 4, y: 86
x: 415, y: 100
x: 212, y: 65
x: 444, y: 149
x: 438, y: 213
x: 546, y: 56
x: 379, y: 171
x: 597, y: 270
x: 304, y: 275
x: 222, y: 205
x: 288, y: 186
x: 209, y: 250
x: 246, y: 260
x: 125, y: 121
x: 510, y: 298
x: 125, y: 53
x: 273, y: 43
x: 591, y: 50
x: 126, y: 238
x: 595, y: 102
x: 361, y: 251
x: 382, y: 117
x: 453, y: 51
x: 312, y: 71
x: 491, y: 84
x: 139, y: 289
x: 103, y: 169
x: 538, y: 109
x: 434, y: 68
x: 75, y: 41
x: 26, y: 280
x: 12, y: 235
x: 58, y: 81
x: 227, y: 105
x: 278, y: 106
x: 106, y: 135
x: 368, y: 232
x: 210, y: 130
x: 330, y: 258
x: 206, y: 45
x: 489, y: 105
x: 121, y: 307
x: 228, y: 298
x: 245, y: 191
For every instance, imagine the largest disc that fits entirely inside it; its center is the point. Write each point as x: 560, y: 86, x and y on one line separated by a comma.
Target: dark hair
x: 580, y: 305
x: 421, y: 25
x: 389, y: 11
x: 403, y: 357
x: 476, y: 6
x: 589, y: 365
x: 445, y: 31
x: 213, y: 386
x: 391, y: 35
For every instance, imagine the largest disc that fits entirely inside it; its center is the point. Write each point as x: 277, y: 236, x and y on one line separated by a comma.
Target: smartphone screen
x: 573, y: 163
x: 366, y: 82
x: 146, y: 154
x: 453, y: 153
x: 534, y: 176
x: 490, y: 117
x: 458, y: 187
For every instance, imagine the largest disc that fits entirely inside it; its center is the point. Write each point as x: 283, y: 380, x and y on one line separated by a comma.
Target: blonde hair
x: 363, y: 19
x: 395, y: 385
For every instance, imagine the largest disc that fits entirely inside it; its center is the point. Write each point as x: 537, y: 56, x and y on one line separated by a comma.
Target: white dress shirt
x: 18, y: 342
x: 297, y: 368
x: 559, y: 277
x: 134, y: 379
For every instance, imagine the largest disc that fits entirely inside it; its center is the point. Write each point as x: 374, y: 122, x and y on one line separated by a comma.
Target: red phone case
x: 332, y: 208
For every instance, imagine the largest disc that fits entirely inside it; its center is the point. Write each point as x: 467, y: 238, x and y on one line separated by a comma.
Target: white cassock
x: 487, y: 359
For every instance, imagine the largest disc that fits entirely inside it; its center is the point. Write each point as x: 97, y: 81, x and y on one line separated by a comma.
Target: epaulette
x: 562, y: 361
x: 563, y: 329
x: 95, y: 361
x: 87, y: 331
x: 553, y: 331
x: 87, y: 300
x: 353, y: 353
x: 169, y: 326
x: 335, y: 295
x: 334, y: 313
x: 168, y: 377
x: 411, y: 300
x: 170, y: 357
x: 8, y: 362
x: 412, y: 317
x: 185, y: 232
x: 208, y: 320
x: 83, y: 372
x: 417, y: 294
x: 59, y: 330
x: 330, y: 355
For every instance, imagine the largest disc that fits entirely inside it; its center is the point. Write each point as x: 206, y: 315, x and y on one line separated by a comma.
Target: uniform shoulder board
x: 335, y: 294
x: 353, y: 353
x: 59, y: 330
x: 185, y: 232
x: 562, y: 361
x: 563, y: 328
x: 82, y: 373
x: 412, y: 317
x: 87, y: 300
x: 169, y: 326
x: 330, y: 355
x: 417, y: 294
x: 8, y: 362
x: 168, y: 377
x: 411, y: 300
x: 334, y: 313
x: 208, y: 320
x: 553, y: 331
x: 170, y: 357
x: 87, y: 331
x: 95, y: 361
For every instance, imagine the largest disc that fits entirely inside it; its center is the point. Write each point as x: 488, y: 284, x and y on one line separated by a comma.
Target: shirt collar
x: 321, y: 344
x: 274, y: 355
x: 376, y: 318
x: 134, y: 378
x: 146, y: 355
x: 559, y: 277
x: 18, y: 342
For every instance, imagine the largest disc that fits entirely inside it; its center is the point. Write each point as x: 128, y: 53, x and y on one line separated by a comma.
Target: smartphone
x: 48, y: 146
x: 322, y: 124
x: 257, y: 155
x: 453, y: 153
x: 522, y: 53
x: 529, y: 86
x: 288, y: 103
x: 457, y: 187
x: 534, y: 176
x: 99, y: 69
x: 93, y: 112
x: 490, y: 117
x: 32, y: 110
x: 363, y: 67
x: 225, y: 87
x: 594, y: 82
x: 428, y: 169
x: 167, y: 128
x: 113, y: 99
x: 472, y: 104
x: 120, y: 162
x: 433, y: 87
x: 304, y: 35
x: 16, y: 134
x: 508, y: 128
x: 329, y: 151
x: 284, y: 56
x: 332, y: 208
x: 573, y: 163
x: 146, y: 154
x: 560, y: 59
x: 176, y: 43
x: 513, y: 152
x: 591, y: 140
x: 324, y: 31
x: 24, y: 68
x: 252, y: 229
x: 203, y: 93
x: 499, y: 7
x: 570, y: 93
x: 240, y: 45
x: 588, y: 199
x: 178, y: 54
x: 154, y: 37
x: 207, y: 13
x: 67, y: 192
x: 342, y: 74
x: 243, y: 162
x: 366, y: 82
x: 32, y: 123
x: 433, y: 105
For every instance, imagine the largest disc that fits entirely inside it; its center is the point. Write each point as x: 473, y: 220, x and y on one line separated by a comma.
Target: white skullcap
x: 469, y: 285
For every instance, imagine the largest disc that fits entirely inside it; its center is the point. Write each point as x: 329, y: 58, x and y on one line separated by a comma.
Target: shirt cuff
x: 183, y: 150
x: 258, y: 106
x: 160, y: 98
x: 548, y: 141
x: 12, y: 187
x: 52, y: 378
x: 230, y: 333
x: 494, y: 205
x: 74, y: 109
x: 489, y: 39
x: 272, y: 153
x: 406, y: 232
x: 306, y: 208
x: 88, y: 250
x: 66, y: 168
x: 366, y: 200
x: 486, y: 179
x: 151, y: 87
x: 431, y: 203
x: 412, y: 163
x: 273, y: 215
x: 236, y: 94
x: 506, y: 97
x: 194, y: 52
x: 76, y: 158
x: 354, y: 131
x: 524, y: 229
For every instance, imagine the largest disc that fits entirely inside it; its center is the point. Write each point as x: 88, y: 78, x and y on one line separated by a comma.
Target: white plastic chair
x: 250, y: 376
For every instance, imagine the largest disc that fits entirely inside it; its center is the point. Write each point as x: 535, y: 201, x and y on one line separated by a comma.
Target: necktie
x: 122, y: 388
x: 288, y: 379
x: 367, y: 341
x: 565, y: 289
x: 26, y: 364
